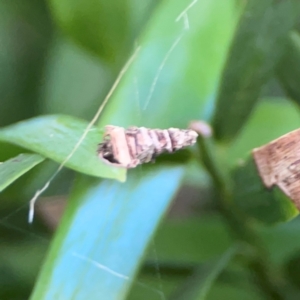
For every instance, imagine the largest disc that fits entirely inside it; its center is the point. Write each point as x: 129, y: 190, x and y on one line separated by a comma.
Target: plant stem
x: 237, y: 224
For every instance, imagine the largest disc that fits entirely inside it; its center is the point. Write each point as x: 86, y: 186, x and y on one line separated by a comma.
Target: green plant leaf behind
x: 102, y: 27
x: 188, y: 240
x: 104, y: 233
x: 55, y: 137
x: 276, y: 239
x: 12, y: 169
x: 71, y: 75
x: 268, y: 206
x: 256, y: 50
x: 174, y: 76
x: 184, y: 245
x: 272, y: 118
x: 197, y: 287
x: 21, y: 69
x: 288, y: 70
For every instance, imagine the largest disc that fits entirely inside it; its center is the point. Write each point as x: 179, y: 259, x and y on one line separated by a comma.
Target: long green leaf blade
x: 255, y: 52
x: 55, y: 137
x: 288, y: 70
x: 103, y: 235
x: 178, y: 67
x: 12, y: 169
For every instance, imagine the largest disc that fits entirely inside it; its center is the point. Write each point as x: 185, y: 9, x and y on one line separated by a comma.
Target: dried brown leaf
x: 278, y: 163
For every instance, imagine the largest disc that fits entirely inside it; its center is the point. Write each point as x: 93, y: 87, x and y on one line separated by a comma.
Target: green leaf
x: 189, y: 240
x: 12, y: 169
x: 288, y: 70
x: 272, y: 118
x: 224, y: 291
x: 20, y: 71
x: 174, y: 77
x: 72, y: 75
x: 55, y: 137
x: 182, y: 243
x: 100, y: 26
x: 281, y: 241
x: 198, y: 286
x: 181, y: 246
x: 140, y: 13
x: 268, y: 206
x: 104, y: 233
x: 255, y: 52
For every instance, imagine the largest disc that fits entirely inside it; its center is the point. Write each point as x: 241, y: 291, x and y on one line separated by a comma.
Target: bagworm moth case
x: 130, y: 147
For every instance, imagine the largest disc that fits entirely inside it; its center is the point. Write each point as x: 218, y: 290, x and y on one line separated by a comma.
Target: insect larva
x: 130, y: 147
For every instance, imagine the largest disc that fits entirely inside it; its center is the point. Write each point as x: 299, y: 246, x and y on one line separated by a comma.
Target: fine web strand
x: 23, y: 231
x: 183, y: 15
x: 86, y: 131
x: 186, y: 26
x: 157, y: 270
x: 137, y: 97
x: 160, y: 68
x: 186, y: 22
x: 184, y: 12
x: 117, y: 274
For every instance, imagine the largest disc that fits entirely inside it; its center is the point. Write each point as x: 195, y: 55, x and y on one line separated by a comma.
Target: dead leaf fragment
x: 278, y: 163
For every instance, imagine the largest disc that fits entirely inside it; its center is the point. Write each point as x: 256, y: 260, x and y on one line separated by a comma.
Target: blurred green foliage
x: 233, y: 63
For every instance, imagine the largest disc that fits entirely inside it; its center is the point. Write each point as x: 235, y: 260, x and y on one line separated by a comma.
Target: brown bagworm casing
x: 130, y: 147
